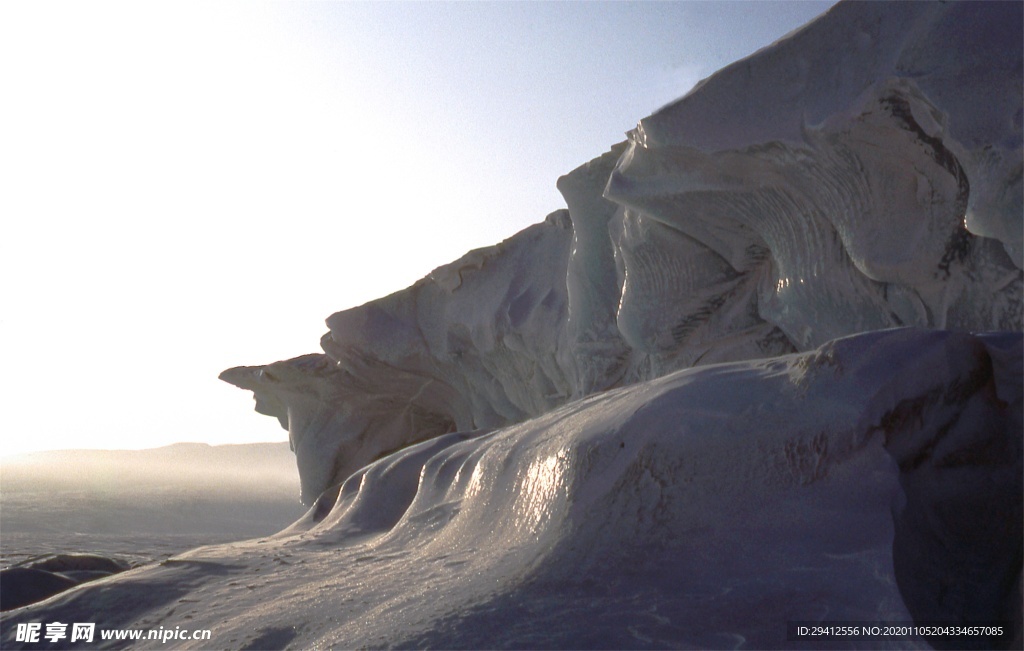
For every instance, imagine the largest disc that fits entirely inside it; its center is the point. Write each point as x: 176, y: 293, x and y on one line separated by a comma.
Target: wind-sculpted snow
x: 846, y: 179
x: 677, y: 414
x: 863, y: 173
x: 875, y: 478
x: 477, y: 343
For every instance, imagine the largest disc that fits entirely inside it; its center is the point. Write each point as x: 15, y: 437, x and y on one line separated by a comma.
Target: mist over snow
x: 72, y: 516
x: 764, y: 369
x: 141, y: 502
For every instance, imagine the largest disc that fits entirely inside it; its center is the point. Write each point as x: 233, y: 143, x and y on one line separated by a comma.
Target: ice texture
x: 738, y: 382
x: 480, y: 342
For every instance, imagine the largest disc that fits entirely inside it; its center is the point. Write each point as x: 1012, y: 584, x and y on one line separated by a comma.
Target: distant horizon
x: 14, y: 455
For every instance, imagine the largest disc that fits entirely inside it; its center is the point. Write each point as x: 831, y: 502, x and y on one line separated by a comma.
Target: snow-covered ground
x: 141, y: 505
x: 688, y: 410
x: 705, y: 509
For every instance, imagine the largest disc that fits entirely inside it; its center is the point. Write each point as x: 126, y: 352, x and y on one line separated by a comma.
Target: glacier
x: 766, y: 367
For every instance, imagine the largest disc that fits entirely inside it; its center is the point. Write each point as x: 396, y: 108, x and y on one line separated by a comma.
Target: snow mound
x: 877, y: 478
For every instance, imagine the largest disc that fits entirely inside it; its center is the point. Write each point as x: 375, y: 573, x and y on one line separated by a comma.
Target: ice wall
x: 864, y: 173
x: 478, y: 343
x: 860, y: 174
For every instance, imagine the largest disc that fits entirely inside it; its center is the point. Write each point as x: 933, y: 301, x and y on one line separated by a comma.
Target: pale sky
x: 189, y: 186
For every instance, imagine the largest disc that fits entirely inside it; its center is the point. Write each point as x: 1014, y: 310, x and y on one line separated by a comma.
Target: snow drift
x: 650, y: 420
x: 877, y: 478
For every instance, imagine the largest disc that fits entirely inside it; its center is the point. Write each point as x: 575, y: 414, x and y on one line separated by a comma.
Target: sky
x: 190, y: 186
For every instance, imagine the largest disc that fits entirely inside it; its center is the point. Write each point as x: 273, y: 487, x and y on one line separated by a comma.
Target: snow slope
x: 705, y: 509
x: 650, y: 420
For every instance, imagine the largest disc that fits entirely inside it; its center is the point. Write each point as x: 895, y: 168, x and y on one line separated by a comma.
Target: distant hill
x: 261, y: 463
x: 186, y: 488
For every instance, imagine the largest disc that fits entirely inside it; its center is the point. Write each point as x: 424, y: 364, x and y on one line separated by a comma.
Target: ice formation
x: 681, y: 412
x: 848, y: 178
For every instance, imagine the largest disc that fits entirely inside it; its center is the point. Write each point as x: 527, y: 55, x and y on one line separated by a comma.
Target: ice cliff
x: 864, y: 173
x: 682, y: 412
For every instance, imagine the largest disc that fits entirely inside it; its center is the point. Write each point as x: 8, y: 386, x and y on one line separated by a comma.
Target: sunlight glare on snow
x: 544, y: 479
